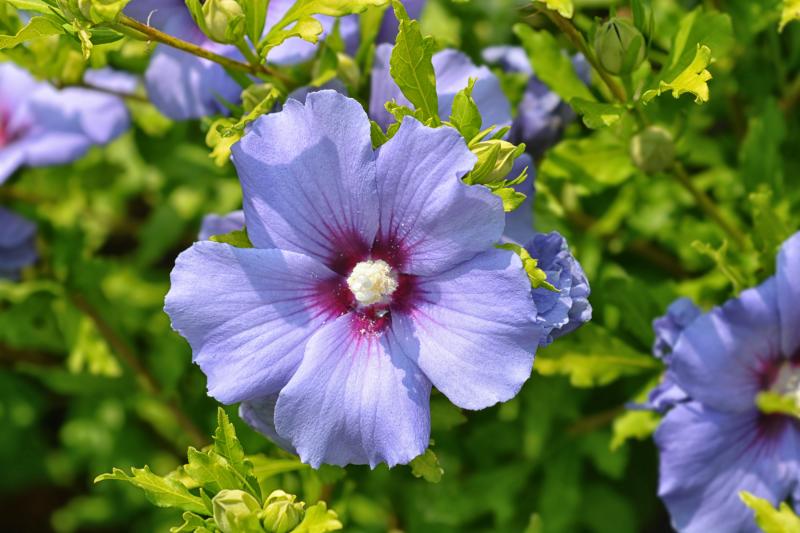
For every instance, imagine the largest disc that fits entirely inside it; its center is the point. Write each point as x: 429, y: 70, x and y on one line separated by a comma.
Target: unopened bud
x: 619, y: 46
x: 495, y: 160
x: 224, y: 20
x: 281, y: 514
x: 236, y: 511
x: 653, y: 149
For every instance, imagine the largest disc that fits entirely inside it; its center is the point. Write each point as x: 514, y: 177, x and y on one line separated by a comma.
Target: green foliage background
x: 92, y: 377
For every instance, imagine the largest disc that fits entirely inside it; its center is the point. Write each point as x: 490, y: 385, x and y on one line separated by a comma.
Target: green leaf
x: 37, y: 6
x: 411, y: 65
x: 318, y: 519
x: 536, y: 275
x: 789, y: 12
x: 191, y: 523
x: 592, y: 357
x: 595, y: 162
x: 36, y: 28
x: 771, y: 520
x: 227, y: 444
x: 465, y: 115
x: 595, y: 114
x: 735, y: 275
x: 760, y: 152
x: 426, y: 466
x: 299, y: 20
x: 237, y: 238
x: 552, y: 66
x: 511, y: 198
x: 693, y: 80
x: 211, y: 471
x: 255, y: 12
x: 712, y: 29
x: 162, y: 491
x: 774, y: 403
x: 633, y: 425
x: 563, y: 7
x: 377, y: 135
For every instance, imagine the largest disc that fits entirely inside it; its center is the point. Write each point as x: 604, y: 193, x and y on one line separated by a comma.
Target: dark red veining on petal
x: 391, y: 251
x: 349, y: 249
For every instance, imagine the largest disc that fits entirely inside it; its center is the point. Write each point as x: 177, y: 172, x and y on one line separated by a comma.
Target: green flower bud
x: 236, y: 511
x: 281, y: 514
x: 653, y: 150
x: 224, y: 20
x: 619, y: 46
x: 348, y: 70
x: 495, y: 160
x: 255, y: 94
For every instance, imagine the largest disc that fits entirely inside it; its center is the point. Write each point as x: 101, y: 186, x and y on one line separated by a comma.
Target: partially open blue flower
x: 17, y: 244
x: 41, y: 126
x: 373, y: 278
x: 541, y: 114
x: 563, y: 311
x: 453, y: 70
x: 716, y: 442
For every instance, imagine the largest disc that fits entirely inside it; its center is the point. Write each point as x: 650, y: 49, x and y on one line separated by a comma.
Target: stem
x: 84, y: 85
x: 707, y: 205
x: 129, y: 358
x: 153, y: 34
x: 576, y: 38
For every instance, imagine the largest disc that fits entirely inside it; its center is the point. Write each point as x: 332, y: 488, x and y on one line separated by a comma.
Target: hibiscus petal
x: 426, y: 210
x: 260, y: 415
x: 247, y: 314
x: 221, y: 224
x: 789, y: 295
x: 707, y: 457
x: 308, y: 178
x: 473, y: 331
x: 720, y: 356
x: 356, y: 399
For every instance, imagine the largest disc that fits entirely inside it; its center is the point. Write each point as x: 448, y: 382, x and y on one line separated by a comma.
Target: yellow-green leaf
x: 36, y: 28
x: 565, y: 8
x: 693, y: 79
x: 162, y: 491
x: 771, y: 520
x: 790, y: 12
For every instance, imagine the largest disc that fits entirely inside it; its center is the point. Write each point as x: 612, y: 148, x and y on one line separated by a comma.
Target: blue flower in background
x: 453, y: 70
x: 221, y: 224
x: 715, y: 442
x: 563, y: 311
x: 17, y: 244
x: 41, y: 126
x: 541, y: 114
x: 184, y: 86
x: 373, y: 278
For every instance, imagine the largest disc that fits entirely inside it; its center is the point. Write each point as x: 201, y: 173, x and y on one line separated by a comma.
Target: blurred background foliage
x: 92, y: 377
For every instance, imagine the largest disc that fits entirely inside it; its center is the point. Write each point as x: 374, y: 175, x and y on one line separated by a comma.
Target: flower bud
x: 495, y: 160
x: 652, y: 149
x: 619, y: 46
x: 224, y: 20
x: 236, y: 511
x: 281, y: 514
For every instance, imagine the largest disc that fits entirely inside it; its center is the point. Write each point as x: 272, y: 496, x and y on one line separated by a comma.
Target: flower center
x: 372, y: 282
x: 787, y: 383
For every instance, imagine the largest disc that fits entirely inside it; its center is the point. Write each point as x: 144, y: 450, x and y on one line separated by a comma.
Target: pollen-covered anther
x: 372, y: 282
x: 788, y: 382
